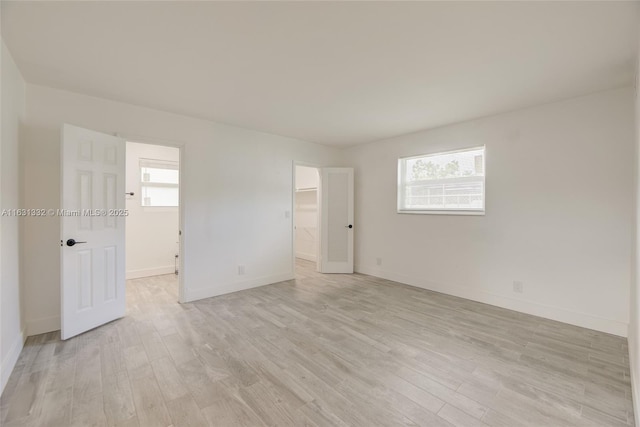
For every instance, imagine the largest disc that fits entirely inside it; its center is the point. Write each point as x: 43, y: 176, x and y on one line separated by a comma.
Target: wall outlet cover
x: 518, y: 286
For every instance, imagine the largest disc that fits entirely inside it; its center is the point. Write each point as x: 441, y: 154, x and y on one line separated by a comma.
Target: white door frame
x: 293, y: 214
x: 128, y: 137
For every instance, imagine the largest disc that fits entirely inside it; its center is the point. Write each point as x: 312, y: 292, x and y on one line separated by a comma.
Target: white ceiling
x: 338, y: 73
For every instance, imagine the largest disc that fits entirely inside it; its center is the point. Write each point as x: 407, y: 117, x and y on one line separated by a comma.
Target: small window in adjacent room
x: 159, y: 182
x: 451, y: 182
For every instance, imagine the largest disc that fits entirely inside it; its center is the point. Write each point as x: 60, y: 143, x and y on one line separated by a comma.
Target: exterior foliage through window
x: 448, y: 182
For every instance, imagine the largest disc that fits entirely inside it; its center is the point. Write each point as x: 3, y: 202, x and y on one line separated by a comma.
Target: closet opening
x: 306, y: 220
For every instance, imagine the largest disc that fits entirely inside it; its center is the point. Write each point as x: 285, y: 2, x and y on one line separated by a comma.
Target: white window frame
x: 402, y: 185
x: 157, y: 164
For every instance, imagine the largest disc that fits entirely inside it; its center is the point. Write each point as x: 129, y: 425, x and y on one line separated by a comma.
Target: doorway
x: 306, y: 219
x: 153, y: 221
x: 95, y: 199
x: 322, y: 238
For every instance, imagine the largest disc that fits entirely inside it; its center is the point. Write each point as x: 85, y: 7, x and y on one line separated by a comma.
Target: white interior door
x: 92, y: 235
x: 336, y: 244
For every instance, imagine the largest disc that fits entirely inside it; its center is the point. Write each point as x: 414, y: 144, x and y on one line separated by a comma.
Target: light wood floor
x: 323, y: 350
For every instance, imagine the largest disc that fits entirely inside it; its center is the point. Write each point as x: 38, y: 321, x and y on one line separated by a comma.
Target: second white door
x: 337, y: 228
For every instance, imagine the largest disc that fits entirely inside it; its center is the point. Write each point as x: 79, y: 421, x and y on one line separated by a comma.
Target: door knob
x: 348, y: 226
x: 72, y: 242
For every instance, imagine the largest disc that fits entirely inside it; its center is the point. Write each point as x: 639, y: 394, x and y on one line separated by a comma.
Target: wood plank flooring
x: 321, y: 350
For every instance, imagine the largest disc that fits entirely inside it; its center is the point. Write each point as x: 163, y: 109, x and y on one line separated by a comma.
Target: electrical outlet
x: 241, y: 269
x: 379, y: 261
x: 518, y: 287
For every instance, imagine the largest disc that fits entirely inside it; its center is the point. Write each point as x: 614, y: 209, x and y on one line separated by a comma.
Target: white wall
x: 152, y: 232
x: 558, y: 213
x: 237, y: 195
x: 634, y: 297
x: 306, y: 213
x: 12, y: 92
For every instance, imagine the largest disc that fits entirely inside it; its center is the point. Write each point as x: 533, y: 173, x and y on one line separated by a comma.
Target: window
x: 159, y: 182
x: 449, y: 182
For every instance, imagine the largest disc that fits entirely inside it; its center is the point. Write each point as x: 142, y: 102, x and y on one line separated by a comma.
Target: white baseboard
x: 146, y: 272
x: 43, y: 325
x: 584, y: 320
x: 308, y: 257
x: 9, y: 361
x: 208, y: 292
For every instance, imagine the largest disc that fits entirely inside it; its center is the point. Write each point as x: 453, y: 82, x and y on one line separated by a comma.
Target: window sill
x: 442, y: 212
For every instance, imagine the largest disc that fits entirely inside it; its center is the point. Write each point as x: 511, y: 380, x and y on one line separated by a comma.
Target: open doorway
x: 322, y: 220
x: 306, y: 220
x: 152, y: 223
